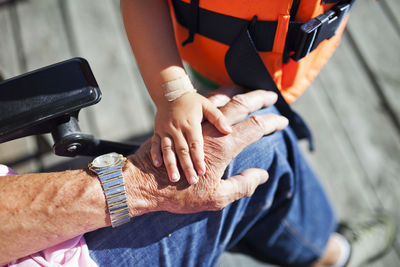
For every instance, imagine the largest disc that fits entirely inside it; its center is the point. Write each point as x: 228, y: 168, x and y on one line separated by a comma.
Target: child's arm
x: 178, y: 122
x: 150, y: 33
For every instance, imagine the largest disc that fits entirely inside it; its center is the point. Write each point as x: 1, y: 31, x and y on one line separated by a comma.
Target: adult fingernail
x: 274, y: 96
x: 175, y: 177
x: 283, y: 121
x: 264, y: 177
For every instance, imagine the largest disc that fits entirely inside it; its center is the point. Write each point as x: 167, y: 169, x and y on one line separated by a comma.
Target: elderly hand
x: 149, y: 189
x: 40, y: 210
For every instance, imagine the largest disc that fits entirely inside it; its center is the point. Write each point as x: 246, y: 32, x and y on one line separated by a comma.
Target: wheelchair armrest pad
x: 30, y: 103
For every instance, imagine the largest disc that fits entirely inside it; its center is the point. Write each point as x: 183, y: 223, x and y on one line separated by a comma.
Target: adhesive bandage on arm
x: 177, y: 88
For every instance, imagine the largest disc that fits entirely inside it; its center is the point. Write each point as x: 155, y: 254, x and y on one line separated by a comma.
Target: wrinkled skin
x: 151, y: 190
x: 49, y: 208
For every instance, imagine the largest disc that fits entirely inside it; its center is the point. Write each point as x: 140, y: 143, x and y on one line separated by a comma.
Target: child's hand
x: 178, y: 130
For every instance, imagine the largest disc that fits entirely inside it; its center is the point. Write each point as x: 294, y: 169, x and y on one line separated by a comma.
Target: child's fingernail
x: 194, y: 179
x: 227, y: 128
x: 202, y: 171
x: 157, y: 163
x: 175, y: 177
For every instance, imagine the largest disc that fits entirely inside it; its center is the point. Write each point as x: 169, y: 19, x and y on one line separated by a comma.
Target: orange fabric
x: 298, y: 75
x: 206, y: 56
x: 246, y: 9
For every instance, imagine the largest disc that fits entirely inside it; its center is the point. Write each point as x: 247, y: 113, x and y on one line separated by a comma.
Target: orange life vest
x: 289, y: 34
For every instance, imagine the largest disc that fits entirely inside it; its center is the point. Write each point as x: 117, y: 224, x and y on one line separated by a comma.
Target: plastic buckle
x: 320, y: 28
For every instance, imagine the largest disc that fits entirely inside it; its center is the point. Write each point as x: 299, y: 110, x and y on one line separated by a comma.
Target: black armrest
x: 32, y: 103
x: 48, y: 100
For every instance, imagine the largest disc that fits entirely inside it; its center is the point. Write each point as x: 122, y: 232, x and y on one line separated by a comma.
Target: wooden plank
x: 17, y: 149
x: 9, y: 67
x: 124, y: 110
x: 336, y: 163
x: 377, y: 43
x: 9, y: 64
x: 389, y: 260
x: 151, y: 109
x: 229, y: 259
x: 333, y: 160
x: 43, y: 33
x: 392, y: 10
x: 371, y: 133
x: 45, y: 41
x: 394, y: 5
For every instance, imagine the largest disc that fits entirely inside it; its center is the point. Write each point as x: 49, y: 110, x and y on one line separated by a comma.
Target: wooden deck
x: 352, y: 107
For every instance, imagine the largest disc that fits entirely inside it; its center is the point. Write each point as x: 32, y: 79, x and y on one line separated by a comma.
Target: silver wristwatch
x: 109, y: 169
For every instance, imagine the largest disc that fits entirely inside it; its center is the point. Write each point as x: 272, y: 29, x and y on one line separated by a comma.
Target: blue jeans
x: 288, y: 220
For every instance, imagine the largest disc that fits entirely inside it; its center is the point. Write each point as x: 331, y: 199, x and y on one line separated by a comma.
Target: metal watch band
x: 114, y: 190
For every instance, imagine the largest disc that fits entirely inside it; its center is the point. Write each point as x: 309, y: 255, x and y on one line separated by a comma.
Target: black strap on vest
x: 193, y: 22
x: 246, y: 68
x: 247, y: 38
x: 301, y: 38
x: 222, y: 28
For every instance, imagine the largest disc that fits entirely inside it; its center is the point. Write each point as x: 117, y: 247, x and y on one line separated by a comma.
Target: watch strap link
x: 114, y: 190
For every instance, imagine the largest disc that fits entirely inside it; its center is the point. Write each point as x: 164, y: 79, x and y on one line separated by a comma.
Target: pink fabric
x: 71, y: 253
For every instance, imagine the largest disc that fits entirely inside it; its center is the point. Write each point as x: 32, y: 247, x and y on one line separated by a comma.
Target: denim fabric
x: 288, y: 220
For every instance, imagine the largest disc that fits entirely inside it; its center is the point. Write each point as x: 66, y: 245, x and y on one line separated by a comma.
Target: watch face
x: 105, y: 160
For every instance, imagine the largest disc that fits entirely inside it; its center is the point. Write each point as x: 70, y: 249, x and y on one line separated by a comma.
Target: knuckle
x: 154, y: 142
x: 183, y: 151
x: 166, y: 148
x: 169, y: 165
x: 240, y: 100
x: 186, y: 169
x: 218, y: 204
x: 257, y: 120
x: 198, y: 161
x: 218, y: 119
x: 173, y: 125
x: 218, y: 200
x: 217, y: 149
x: 187, y: 127
x: 248, y: 190
x: 188, y: 174
x: 214, y: 114
x: 197, y: 144
x: 189, y: 122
